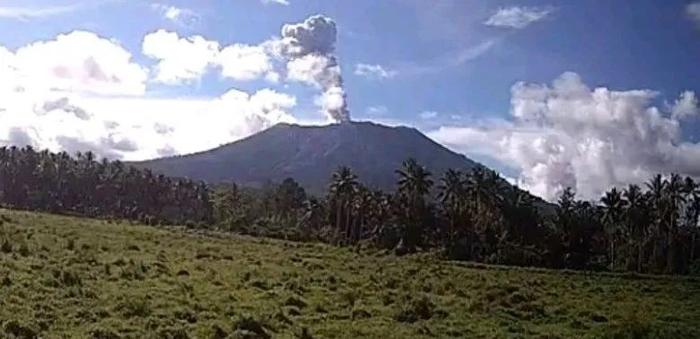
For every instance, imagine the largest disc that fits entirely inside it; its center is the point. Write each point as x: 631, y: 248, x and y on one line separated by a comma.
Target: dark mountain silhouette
x: 309, y: 154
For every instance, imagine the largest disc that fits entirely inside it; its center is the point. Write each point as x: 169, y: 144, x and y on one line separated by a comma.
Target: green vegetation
x: 64, y: 277
x: 473, y: 215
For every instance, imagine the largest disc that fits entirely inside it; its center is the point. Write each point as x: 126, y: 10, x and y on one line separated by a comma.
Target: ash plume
x: 308, y: 48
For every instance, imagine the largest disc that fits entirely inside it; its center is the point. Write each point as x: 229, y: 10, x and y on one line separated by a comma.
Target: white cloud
x: 567, y: 134
x: 178, y: 15
x: 426, y: 115
x: 245, y: 62
x: 89, y: 95
x: 517, y: 17
x: 140, y: 127
x: 693, y: 10
x: 26, y: 13
x: 686, y: 106
x: 77, y: 62
x: 179, y: 59
x: 182, y: 60
x: 374, y: 71
x: 277, y: 2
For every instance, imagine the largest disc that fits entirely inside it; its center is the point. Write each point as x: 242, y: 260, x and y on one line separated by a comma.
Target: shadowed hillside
x: 309, y: 154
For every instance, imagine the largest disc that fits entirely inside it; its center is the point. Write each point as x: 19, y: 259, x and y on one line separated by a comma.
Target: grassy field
x: 63, y: 277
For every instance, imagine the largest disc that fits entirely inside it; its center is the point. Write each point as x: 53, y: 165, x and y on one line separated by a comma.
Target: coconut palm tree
x: 612, y: 216
x: 450, y: 195
x: 414, y: 184
x: 637, y: 219
x: 343, y: 187
x: 676, y: 199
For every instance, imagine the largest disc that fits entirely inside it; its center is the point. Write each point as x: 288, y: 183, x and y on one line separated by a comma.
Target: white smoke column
x: 308, y: 48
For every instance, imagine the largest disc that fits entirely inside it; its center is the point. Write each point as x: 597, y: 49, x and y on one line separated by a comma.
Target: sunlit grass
x: 63, y: 277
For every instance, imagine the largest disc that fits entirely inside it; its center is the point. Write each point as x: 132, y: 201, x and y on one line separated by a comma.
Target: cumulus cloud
x: 89, y: 95
x: 686, y: 106
x: 374, y: 71
x: 79, y: 62
x: 569, y: 135
x: 179, y: 59
x: 245, y: 62
x: 145, y: 125
x: 182, y: 60
x: 517, y: 17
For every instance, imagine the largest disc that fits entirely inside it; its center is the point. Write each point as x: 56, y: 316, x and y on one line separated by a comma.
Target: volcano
x: 310, y: 154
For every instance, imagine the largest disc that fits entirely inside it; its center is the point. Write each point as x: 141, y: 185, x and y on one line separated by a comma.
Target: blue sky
x: 449, y: 68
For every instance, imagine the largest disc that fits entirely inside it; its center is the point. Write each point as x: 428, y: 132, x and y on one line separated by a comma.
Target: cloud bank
x: 91, y: 95
x: 570, y: 135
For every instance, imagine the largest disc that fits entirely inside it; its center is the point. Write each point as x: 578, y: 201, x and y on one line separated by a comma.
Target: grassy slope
x: 72, y: 278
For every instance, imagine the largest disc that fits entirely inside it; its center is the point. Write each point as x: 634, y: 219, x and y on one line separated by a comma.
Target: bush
x: 415, y: 309
x: 14, y: 328
x: 6, y: 247
x: 248, y: 327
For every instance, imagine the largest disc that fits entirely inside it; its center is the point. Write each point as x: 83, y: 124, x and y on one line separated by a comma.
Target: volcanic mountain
x: 310, y: 154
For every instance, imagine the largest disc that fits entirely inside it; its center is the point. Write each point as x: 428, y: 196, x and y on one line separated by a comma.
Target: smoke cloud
x: 308, y: 48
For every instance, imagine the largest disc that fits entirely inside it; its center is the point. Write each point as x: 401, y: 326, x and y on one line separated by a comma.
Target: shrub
x: 6, y: 247
x: 217, y: 332
x: 68, y: 278
x: 248, y: 327
x: 24, y: 250
x: 15, y: 329
x: 415, y: 309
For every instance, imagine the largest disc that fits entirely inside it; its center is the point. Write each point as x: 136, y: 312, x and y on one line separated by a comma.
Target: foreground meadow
x: 63, y: 277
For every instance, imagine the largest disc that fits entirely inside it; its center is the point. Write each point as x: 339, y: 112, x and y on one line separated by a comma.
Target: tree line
x: 59, y: 183
x: 464, y: 215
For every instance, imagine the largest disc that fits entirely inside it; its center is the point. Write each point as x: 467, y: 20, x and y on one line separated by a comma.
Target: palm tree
x: 342, y: 188
x: 675, y: 200
x: 612, y: 215
x: 637, y: 219
x: 657, y: 204
x: 414, y: 180
x: 450, y: 195
x: 414, y: 183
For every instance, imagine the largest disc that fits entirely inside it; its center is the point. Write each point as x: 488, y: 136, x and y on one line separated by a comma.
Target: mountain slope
x: 309, y: 154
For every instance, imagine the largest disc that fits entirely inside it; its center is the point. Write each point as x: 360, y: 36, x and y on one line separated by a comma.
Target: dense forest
x: 472, y: 215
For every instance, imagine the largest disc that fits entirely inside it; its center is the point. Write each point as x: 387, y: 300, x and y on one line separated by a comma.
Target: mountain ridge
x: 310, y: 154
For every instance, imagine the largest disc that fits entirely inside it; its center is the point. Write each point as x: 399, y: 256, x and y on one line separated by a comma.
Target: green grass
x: 63, y: 277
